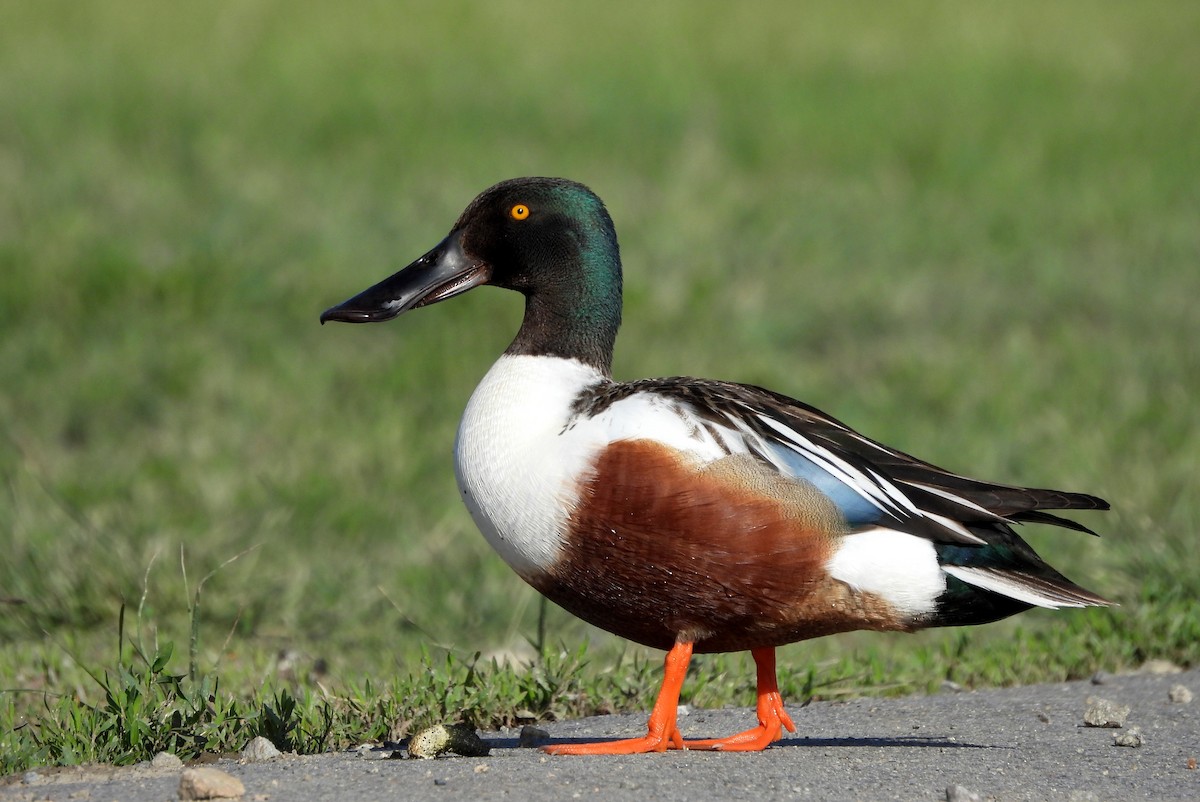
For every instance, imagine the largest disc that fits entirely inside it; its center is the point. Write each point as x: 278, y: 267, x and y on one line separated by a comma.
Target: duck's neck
x: 553, y: 327
x: 574, y: 311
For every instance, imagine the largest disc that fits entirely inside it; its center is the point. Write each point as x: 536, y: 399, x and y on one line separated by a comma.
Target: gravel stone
x: 258, y: 750
x: 957, y: 793
x: 442, y: 738
x: 1105, y: 713
x: 532, y: 737
x: 374, y: 752
x: 1132, y: 738
x: 166, y: 760
x: 1179, y: 694
x: 209, y: 783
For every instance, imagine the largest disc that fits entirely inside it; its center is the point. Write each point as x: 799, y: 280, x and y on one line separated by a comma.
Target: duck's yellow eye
x: 519, y: 212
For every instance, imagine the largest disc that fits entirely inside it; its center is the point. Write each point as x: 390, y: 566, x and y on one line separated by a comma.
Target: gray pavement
x: 1013, y: 744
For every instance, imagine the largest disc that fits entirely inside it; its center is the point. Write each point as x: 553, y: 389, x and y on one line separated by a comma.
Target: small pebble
x: 258, y: 750
x: 1179, y: 694
x: 373, y: 752
x: 957, y: 793
x: 1099, y: 678
x: 1133, y: 738
x: 166, y: 760
x: 1160, y: 667
x: 949, y: 686
x: 532, y: 737
x: 30, y: 777
x: 1105, y: 713
x: 209, y: 783
x: 683, y: 710
x: 442, y: 738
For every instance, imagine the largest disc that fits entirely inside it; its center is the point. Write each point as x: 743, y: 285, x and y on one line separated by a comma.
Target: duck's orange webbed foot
x: 652, y: 742
x: 772, y: 717
x: 663, y: 733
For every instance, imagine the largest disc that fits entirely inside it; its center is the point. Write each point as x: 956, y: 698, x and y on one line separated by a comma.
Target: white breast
x: 515, y: 470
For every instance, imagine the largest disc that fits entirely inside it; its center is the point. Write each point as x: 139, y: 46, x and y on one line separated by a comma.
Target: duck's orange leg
x: 772, y: 717
x: 663, y: 733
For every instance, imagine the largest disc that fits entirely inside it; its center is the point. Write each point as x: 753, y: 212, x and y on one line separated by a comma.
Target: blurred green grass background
x: 970, y: 231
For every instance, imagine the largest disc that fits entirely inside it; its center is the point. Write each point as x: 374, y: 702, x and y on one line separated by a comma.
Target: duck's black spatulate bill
x: 442, y: 273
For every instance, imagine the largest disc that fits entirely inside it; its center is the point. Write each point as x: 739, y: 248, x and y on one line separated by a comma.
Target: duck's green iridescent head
x: 547, y: 238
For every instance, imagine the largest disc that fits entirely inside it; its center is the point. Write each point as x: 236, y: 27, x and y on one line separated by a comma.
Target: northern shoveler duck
x: 694, y: 515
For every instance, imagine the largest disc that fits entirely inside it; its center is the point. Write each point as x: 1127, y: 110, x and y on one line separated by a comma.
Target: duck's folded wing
x: 873, y: 485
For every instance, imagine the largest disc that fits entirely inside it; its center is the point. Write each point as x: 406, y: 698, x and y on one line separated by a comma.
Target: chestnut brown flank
x: 730, y: 556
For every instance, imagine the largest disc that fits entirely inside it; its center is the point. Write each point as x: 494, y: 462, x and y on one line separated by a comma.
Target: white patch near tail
x: 1008, y: 586
x: 901, y: 569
